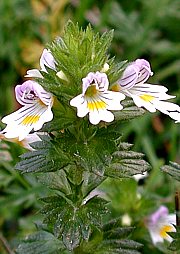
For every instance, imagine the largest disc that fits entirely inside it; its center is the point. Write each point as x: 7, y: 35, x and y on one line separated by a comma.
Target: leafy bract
x: 173, y: 169
x: 41, y: 242
x: 47, y: 157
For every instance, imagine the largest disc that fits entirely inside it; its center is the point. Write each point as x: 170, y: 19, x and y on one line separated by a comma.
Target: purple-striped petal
x: 30, y: 91
x: 135, y: 73
x: 48, y: 60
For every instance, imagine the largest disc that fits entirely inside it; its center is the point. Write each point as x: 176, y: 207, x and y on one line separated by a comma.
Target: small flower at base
x: 35, y: 112
x: 126, y: 220
x: 159, y: 224
x: 96, y: 100
x: 138, y: 177
x: 30, y: 138
x: 152, y: 97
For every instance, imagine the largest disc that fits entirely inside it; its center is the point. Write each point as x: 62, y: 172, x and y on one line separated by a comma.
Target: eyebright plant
x: 77, y: 100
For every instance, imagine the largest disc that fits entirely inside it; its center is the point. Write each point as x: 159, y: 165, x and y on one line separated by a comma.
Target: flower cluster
x: 97, y: 99
x: 160, y: 223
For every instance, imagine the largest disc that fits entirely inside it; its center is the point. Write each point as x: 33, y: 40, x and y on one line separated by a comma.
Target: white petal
x: 77, y: 101
x: 171, y: 218
x: 15, y: 131
x: 21, y: 122
x: 34, y: 73
x: 102, y: 115
x: 151, y: 91
x: 155, y: 236
x: 142, y: 103
x: 82, y: 110
x: 150, y: 88
x: 138, y: 177
x: 113, y: 100
x: 166, y: 107
x: 175, y: 116
x: 48, y: 60
x: 46, y: 116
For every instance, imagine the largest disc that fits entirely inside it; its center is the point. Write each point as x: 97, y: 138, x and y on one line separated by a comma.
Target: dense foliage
x: 49, y: 196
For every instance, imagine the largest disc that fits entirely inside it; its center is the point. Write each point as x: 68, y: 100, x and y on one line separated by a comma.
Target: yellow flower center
x: 147, y: 97
x: 164, y: 229
x: 95, y: 105
x: 93, y: 100
x: 31, y: 119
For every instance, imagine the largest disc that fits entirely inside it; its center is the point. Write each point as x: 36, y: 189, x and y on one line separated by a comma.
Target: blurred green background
x: 142, y: 29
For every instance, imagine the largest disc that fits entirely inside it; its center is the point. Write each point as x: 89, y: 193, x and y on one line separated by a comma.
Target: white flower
x: 35, y: 112
x: 159, y: 223
x: 46, y: 60
x: 126, y: 220
x: 30, y: 138
x: 151, y: 97
x: 96, y: 99
x: 138, y: 177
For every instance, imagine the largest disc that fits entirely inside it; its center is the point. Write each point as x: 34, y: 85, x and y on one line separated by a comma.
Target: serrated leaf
x: 73, y: 223
x: 47, y: 157
x: 114, y: 240
x: 126, y: 164
x: 90, y: 182
x: 173, y: 169
x: 120, y: 246
x: 118, y: 232
x: 56, y: 180
x: 41, y: 242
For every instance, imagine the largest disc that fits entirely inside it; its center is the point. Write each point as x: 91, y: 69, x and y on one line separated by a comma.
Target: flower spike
x: 159, y: 223
x: 46, y: 60
x: 96, y: 99
x: 35, y: 112
x: 152, y: 97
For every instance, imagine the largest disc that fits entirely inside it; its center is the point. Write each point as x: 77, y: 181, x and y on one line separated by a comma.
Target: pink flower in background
x: 160, y: 223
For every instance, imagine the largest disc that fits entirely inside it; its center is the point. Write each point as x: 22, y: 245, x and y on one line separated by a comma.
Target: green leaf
x: 56, y: 180
x: 126, y: 163
x: 119, y: 246
x: 129, y: 111
x: 173, y: 169
x: 41, y: 242
x: 112, y: 239
x: 90, y: 182
x: 73, y: 222
x: 175, y: 245
x: 48, y: 156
